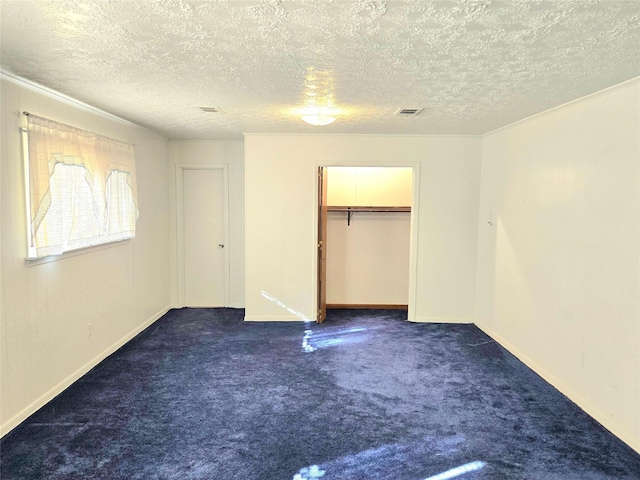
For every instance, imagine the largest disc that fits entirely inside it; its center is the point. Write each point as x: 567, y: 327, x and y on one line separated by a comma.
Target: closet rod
x: 351, y: 210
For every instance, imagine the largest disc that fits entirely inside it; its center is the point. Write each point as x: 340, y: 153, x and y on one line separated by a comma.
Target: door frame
x: 180, y: 169
x: 413, y: 235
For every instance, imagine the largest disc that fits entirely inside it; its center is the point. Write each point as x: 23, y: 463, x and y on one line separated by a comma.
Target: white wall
x: 558, y: 271
x: 369, y: 186
x: 231, y: 153
x: 281, y: 216
x: 368, y: 261
x: 46, y: 343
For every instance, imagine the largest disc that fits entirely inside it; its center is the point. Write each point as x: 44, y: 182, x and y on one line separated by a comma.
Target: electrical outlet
x: 89, y: 329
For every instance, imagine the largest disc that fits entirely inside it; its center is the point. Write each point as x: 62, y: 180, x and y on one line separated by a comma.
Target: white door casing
x: 415, y: 208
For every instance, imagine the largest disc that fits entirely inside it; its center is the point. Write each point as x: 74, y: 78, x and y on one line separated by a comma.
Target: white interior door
x: 204, y: 237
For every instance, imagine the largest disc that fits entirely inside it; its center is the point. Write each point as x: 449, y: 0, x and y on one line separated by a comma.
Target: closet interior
x: 368, y: 236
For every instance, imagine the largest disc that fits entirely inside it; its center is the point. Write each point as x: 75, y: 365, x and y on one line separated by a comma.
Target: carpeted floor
x: 203, y: 395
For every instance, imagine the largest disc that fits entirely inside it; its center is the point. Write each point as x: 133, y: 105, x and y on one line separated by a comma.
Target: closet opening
x: 364, y: 237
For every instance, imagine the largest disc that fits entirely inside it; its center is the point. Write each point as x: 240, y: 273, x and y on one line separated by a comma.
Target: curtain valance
x: 51, y: 143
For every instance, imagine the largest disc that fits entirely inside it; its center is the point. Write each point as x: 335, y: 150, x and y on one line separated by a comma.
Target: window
x: 81, y: 188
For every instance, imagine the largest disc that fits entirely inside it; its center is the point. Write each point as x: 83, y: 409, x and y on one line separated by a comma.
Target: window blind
x: 82, y: 188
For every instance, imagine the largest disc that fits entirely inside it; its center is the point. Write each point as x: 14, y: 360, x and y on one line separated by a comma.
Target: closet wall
x: 368, y: 253
x: 281, y: 197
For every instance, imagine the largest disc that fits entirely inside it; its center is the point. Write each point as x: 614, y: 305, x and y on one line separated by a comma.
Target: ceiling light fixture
x: 318, y: 120
x: 318, y: 116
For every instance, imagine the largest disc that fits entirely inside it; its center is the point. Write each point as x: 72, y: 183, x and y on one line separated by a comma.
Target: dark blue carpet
x: 203, y: 395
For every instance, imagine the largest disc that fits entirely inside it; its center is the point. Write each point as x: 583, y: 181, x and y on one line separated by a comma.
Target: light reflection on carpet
x: 320, y: 340
x: 335, y: 337
x: 397, y: 461
x: 456, y: 472
x: 309, y: 473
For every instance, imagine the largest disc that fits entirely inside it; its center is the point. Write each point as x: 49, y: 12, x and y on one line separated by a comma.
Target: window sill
x: 34, y: 261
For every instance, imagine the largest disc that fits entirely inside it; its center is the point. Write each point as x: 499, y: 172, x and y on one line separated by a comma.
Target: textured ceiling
x: 473, y: 65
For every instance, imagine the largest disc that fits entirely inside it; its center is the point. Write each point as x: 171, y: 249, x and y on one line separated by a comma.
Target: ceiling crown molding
x: 606, y: 91
x: 60, y: 97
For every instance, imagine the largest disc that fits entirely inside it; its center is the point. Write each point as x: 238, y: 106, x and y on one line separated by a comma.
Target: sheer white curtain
x: 82, y: 188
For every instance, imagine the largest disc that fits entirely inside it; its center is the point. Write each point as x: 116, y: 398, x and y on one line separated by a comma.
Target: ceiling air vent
x: 407, y: 112
x: 211, y: 109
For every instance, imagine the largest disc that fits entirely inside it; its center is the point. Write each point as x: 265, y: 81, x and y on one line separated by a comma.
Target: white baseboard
x: 597, y: 414
x: 442, y: 320
x: 176, y: 306
x: 25, y: 413
x: 274, y: 318
x: 293, y: 318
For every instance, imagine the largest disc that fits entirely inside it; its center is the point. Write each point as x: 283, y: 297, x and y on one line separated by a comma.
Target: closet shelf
x: 351, y: 210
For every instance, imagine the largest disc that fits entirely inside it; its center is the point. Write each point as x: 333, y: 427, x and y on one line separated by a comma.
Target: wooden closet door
x: 322, y: 244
